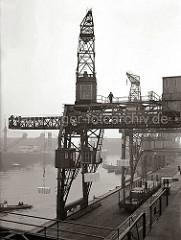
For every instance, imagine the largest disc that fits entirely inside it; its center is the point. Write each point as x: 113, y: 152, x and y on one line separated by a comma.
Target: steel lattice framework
x: 87, y: 145
x: 135, y: 138
x: 135, y: 89
x: 146, y: 115
x: 86, y: 47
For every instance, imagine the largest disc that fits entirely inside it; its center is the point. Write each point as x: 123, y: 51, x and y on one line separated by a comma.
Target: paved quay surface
x: 108, y: 216
x: 168, y: 226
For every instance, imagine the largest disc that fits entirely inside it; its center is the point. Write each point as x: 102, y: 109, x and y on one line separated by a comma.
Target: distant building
x: 28, y: 148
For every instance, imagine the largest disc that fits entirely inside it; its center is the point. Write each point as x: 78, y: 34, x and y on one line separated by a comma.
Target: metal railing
x: 137, y: 230
x: 157, y: 207
x: 144, y: 222
x: 150, y: 97
x: 57, y: 229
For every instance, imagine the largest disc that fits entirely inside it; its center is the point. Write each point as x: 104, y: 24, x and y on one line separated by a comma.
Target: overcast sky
x: 39, y: 40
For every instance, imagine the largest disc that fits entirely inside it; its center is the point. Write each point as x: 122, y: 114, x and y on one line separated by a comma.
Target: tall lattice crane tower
x: 86, y: 84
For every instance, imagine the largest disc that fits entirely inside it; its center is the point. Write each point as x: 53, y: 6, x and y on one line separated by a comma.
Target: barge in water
x: 6, y: 207
x: 139, y: 195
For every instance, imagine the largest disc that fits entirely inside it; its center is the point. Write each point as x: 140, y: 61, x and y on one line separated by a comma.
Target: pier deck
x: 106, y: 219
x: 168, y: 226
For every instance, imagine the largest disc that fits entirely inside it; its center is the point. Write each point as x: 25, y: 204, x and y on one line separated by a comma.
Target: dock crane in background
x: 82, y: 125
x: 135, y: 89
x: 135, y: 137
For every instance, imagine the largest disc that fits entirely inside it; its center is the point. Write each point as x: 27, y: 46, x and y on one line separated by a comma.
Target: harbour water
x: 21, y: 184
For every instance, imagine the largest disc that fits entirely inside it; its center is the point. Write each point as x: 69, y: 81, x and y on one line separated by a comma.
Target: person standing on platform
x: 110, y: 97
x: 179, y: 170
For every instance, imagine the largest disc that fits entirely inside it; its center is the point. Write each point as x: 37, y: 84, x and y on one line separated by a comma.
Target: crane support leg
x: 84, y: 145
x: 131, y: 157
x: 123, y: 157
x: 61, y: 213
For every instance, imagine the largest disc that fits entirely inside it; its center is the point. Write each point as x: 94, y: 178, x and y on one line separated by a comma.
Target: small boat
x: 115, y: 168
x: 6, y: 207
x: 109, y: 167
x: 15, y: 164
